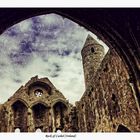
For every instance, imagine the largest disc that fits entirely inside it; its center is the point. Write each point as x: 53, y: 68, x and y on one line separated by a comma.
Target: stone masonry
x: 109, y: 103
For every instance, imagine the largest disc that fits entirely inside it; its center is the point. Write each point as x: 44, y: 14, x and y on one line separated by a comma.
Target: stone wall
x: 110, y: 101
x: 37, y: 105
x: 3, y: 119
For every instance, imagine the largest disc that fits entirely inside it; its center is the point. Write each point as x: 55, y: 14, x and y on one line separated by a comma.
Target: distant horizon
x: 47, y: 46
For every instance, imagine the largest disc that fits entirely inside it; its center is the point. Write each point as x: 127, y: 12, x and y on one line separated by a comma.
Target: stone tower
x: 92, y: 56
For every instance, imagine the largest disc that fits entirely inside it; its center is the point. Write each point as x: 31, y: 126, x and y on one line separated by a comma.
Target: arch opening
x: 60, y: 112
x: 122, y: 128
x: 40, y: 115
x: 20, y: 116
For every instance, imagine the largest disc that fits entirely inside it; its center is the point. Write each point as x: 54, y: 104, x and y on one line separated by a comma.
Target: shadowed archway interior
x: 40, y: 115
x: 60, y: 112
x: 20, y: 116
x: 122, y: 128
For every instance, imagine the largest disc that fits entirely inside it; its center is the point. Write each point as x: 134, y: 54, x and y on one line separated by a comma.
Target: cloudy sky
x: 47, y: 46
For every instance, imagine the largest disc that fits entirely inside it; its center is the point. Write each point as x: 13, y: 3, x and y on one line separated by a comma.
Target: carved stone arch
x: 60, y: 110
x: 39, y: 102
x: 21, y: 100
x: 122, y: 128
x: 39, y: 85
x: 40, y: 116
x: 20, y: 110
x: 60, y: 100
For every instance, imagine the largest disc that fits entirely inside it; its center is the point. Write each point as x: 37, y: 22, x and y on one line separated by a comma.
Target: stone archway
x: 122, y: 128
x: 60, y: 111
x: 20, y: 116
x: 40, y: 116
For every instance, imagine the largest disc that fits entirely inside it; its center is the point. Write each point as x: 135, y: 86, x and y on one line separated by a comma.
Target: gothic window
x: 38, y: 93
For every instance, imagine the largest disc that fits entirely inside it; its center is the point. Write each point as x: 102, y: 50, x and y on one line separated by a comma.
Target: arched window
x: 122, y: 128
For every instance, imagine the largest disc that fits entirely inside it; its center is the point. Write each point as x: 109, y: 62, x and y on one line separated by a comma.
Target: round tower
x: 92, y: 56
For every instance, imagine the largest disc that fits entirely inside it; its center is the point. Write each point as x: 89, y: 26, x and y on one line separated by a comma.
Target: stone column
x: 10, y: 117
x: 50, y: 120
x: 53, y: 119
x: 30, y: 121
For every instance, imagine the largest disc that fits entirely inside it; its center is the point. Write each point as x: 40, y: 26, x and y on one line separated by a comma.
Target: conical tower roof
x: 90, y: 40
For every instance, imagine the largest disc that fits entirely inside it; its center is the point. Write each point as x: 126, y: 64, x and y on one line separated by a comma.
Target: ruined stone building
x: 109, y: 103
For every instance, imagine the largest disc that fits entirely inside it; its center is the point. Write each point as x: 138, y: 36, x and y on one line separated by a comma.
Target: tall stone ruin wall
x: 110, y: 101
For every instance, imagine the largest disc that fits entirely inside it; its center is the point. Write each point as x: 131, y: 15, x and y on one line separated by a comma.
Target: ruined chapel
x: 109, y: 103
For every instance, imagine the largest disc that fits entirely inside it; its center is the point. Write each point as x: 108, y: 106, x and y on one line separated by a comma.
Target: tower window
x: 38, y: 93
x: 122, y: 128
x: 106, y: 68
x: 92, y: 50
x: 113, y: 97
x: 89, y: 94
x: 82, y: 106
x: 92, y: 89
